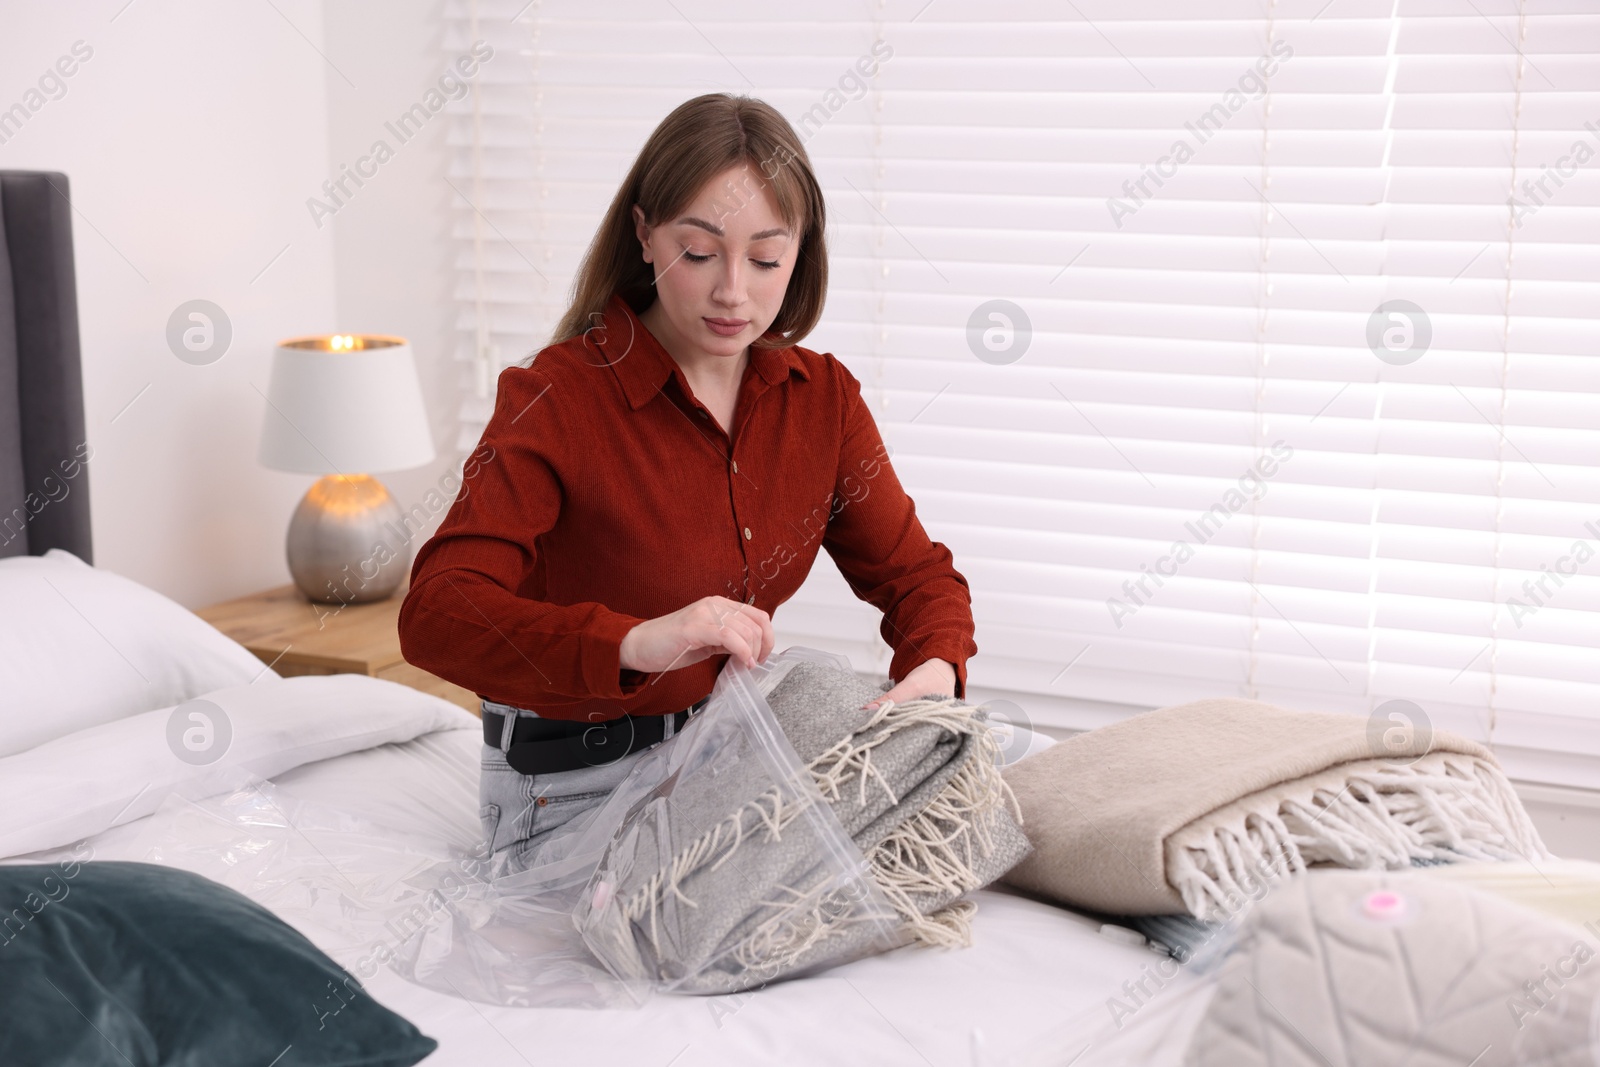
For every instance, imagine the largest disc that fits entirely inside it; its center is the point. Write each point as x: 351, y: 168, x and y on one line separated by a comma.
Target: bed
x: 1033, y: 988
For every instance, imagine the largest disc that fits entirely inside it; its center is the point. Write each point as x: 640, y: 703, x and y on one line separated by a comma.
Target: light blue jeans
x: 520, y: 811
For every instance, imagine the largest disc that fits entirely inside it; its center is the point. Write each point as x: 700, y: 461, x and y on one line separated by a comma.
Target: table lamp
x: 342, y: 407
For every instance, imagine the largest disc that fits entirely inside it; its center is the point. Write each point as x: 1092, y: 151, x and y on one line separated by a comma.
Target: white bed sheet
x: 1033, y: 989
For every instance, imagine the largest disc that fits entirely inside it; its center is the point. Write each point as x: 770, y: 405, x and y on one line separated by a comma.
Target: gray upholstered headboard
x: 44, y: 477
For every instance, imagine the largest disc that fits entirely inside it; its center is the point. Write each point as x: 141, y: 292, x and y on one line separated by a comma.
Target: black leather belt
x: 546, y: 746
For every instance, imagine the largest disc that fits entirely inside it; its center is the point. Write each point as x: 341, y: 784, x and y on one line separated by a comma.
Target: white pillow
x: 81, y: 646
x: 79, y: 785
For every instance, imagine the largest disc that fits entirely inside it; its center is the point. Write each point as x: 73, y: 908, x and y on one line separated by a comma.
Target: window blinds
x: 1233, y: 348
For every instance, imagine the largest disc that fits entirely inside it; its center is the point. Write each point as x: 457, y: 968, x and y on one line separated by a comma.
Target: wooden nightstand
x: 296, y: 637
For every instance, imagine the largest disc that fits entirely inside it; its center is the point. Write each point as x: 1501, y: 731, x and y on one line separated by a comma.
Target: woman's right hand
x: 708, y: 627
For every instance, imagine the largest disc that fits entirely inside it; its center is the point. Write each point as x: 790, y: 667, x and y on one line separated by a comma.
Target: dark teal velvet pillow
x: 137, y: 964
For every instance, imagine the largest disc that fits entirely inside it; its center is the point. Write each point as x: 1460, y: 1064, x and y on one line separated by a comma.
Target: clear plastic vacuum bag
x: 714, y: 866
x: 726, y: 869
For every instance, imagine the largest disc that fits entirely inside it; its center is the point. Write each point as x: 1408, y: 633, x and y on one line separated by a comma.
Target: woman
x: 659, y: 479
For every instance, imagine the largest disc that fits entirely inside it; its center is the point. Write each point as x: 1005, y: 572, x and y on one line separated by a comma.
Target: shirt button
x: 752, y: 599
x: 703, y: 415
x: 736, y: 466
x: 747, y: 533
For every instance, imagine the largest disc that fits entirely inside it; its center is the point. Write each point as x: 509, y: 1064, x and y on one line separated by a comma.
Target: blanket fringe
x: 1445, y: 808
x: 928, y: 855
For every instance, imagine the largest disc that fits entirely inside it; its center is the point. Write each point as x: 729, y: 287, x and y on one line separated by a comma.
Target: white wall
x: 391, y: 251
x: 193, y: 136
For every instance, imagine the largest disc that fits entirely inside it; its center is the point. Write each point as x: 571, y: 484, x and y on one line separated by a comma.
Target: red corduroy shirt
x: 604, y: 494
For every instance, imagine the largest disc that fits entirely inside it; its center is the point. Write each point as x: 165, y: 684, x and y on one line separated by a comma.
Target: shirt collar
x: 642, y: 366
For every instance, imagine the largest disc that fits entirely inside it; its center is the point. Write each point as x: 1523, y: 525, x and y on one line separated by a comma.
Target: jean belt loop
x: 508, y: 723
x: 669, y: 723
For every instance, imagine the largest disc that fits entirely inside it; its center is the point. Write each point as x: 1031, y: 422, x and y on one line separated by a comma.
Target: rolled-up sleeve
x: 881, y: 548
x: 463, y: 618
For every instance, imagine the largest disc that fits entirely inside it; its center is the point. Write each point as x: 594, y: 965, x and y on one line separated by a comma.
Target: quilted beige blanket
x: 1354, y: 968
x: 1196, y: 807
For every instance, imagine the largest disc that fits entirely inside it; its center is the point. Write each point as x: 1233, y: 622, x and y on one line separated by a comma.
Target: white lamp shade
x: 332, y: 411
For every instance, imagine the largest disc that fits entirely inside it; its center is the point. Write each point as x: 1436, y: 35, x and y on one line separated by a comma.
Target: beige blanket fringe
x: 1445, y: 807
x: 930, y: 853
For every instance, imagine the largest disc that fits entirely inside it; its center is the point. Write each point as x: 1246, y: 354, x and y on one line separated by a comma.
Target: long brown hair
x: 700, y: 139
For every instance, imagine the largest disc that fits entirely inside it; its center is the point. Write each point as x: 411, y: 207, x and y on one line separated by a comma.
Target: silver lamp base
x: 348, y: 543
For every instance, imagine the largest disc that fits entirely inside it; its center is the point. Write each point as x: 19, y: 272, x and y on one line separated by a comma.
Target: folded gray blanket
x: 730, y: 879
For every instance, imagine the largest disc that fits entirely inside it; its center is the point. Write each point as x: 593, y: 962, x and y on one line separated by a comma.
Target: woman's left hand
x: 934, y: 676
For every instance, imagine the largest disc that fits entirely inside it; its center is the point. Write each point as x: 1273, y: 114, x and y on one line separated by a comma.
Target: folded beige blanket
x: 1195, y: 807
